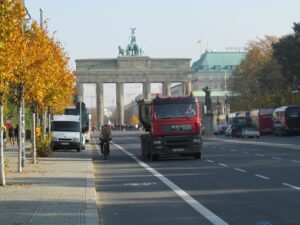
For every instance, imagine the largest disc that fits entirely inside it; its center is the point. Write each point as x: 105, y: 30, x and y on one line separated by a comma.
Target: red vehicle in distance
x: 263, y: 119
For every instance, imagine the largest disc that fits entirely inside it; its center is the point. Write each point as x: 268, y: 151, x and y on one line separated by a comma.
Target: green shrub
x: 43, y: 147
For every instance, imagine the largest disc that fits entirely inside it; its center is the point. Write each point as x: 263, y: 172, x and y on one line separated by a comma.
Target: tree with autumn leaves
x: 266, y: 76
x: 33, y: 65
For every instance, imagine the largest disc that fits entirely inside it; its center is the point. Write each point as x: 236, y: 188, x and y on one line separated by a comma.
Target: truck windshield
x: 176, y: 110
x: 71, y: 126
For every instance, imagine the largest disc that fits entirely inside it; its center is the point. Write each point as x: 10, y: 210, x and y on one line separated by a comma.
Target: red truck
x: 172, y: 125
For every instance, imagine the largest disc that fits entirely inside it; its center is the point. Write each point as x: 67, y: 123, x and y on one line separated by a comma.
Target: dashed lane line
x: 261, y: 176
x: 295, y: 161
x: 259, y: 154
x: 292, y: 186
x: 232, y: 150
x: 201, y: 209
x: 277, y: 158
x: 240, y: 170
x: 222, y: 164
x: 210, y: 161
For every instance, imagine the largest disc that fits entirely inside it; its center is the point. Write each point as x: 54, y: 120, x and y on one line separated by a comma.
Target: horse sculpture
x: 132, y: 49
x: 121, y: 51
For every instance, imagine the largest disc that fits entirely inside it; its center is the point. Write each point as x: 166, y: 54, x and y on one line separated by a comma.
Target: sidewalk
x: 58, y: 190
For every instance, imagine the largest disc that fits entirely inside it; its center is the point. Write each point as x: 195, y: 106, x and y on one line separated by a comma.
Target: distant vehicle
x: 238, y: 123
x: 250, y: 130
x: 219, y: 129
x: 66, y: 133
x: 86, y: 118
x: 286, y: 120
x: 228, y: 131
x: 263, y: 119
x: 216, y: 129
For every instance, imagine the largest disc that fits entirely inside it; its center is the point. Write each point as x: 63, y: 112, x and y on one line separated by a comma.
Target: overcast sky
x: 166, y: 28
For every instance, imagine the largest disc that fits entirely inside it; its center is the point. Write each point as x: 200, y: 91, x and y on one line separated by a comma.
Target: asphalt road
x: 237, y: 182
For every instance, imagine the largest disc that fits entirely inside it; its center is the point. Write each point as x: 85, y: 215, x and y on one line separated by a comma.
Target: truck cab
x: 172, y: 125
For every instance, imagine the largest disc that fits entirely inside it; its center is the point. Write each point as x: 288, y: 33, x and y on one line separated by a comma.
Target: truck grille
x: 177, y: 141
x: 176, y: 127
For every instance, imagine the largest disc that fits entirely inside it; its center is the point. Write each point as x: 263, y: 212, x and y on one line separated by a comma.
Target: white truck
x: 66, y: 133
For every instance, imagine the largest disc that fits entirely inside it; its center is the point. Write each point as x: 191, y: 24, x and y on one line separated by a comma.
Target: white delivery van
x: 66, y: 133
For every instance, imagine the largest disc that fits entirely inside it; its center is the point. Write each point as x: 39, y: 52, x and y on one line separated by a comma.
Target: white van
x: 66, y: 133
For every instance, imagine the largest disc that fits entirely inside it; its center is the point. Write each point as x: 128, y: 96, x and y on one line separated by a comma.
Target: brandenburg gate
x: 132, y: 67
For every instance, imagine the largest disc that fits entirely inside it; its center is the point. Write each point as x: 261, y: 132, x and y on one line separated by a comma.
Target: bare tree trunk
x: 33, y: 139
x: 45, y: 124
x: 2, y: 167
x: 19, y: 138
x: 49, y: 121
x: 23, y: 129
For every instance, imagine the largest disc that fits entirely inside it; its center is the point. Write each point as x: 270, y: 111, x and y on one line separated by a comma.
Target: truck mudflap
x: 184, y: 145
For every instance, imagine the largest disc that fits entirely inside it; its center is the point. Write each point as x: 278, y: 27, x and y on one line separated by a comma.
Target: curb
x: 91, y: 211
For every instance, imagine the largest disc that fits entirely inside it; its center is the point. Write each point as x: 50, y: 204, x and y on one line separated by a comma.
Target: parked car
x: 250, y: 131
x: 223, y: 129
x: 236, y: 131
x: 286, y: 120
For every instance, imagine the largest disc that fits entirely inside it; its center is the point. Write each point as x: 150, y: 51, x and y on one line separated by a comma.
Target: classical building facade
x: 132, y: 69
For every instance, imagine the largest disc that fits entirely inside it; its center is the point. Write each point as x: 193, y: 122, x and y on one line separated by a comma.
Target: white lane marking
x: 295, y: 161
x: 210, y: 161
x: 259, y: 154
x: 238, y: 169
x: 261, y: 176
x: 140, y: 184
x: 221, y: 164
x: 232, y: 150
x: 209, y: 215
x: 292, y: 186
x: 277, y: 158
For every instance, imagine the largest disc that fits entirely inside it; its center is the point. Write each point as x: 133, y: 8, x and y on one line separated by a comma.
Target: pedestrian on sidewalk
x: 16, y: 133
x: 11, y: 134
x: 4, y: 136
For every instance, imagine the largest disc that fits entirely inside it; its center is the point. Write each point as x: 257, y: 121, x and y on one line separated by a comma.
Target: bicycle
x: 105, y: 149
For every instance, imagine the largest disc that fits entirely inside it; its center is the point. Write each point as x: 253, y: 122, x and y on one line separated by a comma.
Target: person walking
x: 16, y: 133
x: 11, y: 134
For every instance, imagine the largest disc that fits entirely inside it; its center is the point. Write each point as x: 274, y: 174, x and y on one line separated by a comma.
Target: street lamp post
x: 80, y: 122
x: 218, y: 110
x: 226, y: 109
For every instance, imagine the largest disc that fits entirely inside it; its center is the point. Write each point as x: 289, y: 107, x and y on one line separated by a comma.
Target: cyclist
x: 105, y: 136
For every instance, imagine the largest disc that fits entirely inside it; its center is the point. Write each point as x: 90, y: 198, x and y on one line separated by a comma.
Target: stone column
x: 147, y: 91
x: 188, y: 87
x: 120, y: 103
x: 80, y: 90
x: 100, y: 104
x: 166, y: 89
x: 183, y: 88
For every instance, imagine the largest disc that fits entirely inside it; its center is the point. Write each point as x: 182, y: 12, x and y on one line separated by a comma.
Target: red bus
x: 262, y: 118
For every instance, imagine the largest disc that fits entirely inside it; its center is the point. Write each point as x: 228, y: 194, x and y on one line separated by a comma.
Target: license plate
x: 178, y: 149
x: 64, y: 143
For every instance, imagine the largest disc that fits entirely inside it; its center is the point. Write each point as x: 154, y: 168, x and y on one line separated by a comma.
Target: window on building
x: 218, y: 67
x: 205, y: 67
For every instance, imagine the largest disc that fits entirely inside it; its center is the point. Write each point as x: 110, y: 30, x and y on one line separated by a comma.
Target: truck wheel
x: 154, y: 157
x: 144, y: 154
x: 78, y: 149
x: 197, y: 155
